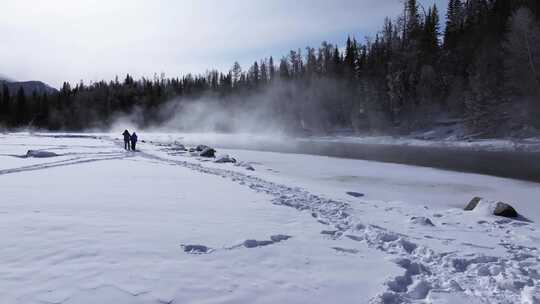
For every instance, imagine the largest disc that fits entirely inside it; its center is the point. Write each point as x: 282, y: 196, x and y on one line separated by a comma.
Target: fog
x: 281, y: 109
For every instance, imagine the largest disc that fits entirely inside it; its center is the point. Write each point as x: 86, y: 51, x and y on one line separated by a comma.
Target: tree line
x: 482, y: 69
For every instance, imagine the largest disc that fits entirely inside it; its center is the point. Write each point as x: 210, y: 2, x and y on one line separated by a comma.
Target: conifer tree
x: 5, y: 105
x: 21, y: 108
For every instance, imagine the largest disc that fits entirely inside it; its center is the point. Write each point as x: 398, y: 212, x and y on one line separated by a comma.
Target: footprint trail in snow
x: 428, y: 275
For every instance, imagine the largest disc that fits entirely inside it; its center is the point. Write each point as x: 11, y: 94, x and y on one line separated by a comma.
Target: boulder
x: 473, y: 203
x: 201, y: 148
x: 498, y: 209
x: 208, y: 152
x: 503, y: 209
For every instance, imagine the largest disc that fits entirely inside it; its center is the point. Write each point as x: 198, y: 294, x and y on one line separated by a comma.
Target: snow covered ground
x: 97, y: 224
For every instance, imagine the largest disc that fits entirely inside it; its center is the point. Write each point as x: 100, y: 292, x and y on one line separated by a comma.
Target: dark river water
x: 510, y: 164
x: 517, y: 165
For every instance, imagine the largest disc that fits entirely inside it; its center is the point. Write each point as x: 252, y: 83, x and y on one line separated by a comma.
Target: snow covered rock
x: 490, y: 207
x: 503, y: 209
x: 40, y: 154
x: 225, y: 159
x: 208, y: 152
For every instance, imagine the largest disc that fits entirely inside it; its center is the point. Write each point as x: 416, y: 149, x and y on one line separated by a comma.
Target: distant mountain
x: 28, y: 86
x: 2, y: 77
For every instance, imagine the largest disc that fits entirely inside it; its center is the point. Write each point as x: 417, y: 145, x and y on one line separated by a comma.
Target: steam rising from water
x: 294, y: 108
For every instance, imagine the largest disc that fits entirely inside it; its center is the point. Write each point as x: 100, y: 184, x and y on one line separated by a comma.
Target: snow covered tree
x: 236, y: 72
x: 254, y: 73
x: 311, y: 63
x: 271, y: 69
x: 284, y: 69
x: 264, y: 72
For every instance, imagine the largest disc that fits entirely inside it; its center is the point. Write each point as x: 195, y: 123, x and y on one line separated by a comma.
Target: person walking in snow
x: 133, y: 141
x: 127, y: 138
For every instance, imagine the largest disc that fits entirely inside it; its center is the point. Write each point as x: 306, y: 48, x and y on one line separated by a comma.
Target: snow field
x: 115, y: 230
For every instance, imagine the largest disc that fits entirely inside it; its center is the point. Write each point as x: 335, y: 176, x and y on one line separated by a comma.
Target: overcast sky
x: 90, y: 40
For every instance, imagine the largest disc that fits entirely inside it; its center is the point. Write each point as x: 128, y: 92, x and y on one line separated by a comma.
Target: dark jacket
x: 133, y: 137
x: 126, y: 135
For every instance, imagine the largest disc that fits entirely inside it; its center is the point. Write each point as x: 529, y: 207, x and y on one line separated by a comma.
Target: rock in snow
x: 208, y: 152
x: 40, y: 154
x: 473, y: 203
x: 498, y: 209
x: 355, y: 194
x: 201, y: 148
x: 503, y: 209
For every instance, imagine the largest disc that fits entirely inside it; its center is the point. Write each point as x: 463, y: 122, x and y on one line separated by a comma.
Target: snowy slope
x: 97, y: 223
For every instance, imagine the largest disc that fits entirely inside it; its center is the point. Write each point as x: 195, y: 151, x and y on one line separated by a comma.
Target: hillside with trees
x: 482, y: 68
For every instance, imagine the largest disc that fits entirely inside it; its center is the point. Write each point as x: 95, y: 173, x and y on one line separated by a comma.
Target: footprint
x: 197, y: 249
x: 346, y: 250
x: 355, y: 194
x: 255, y: 243
x: 332, y: 233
